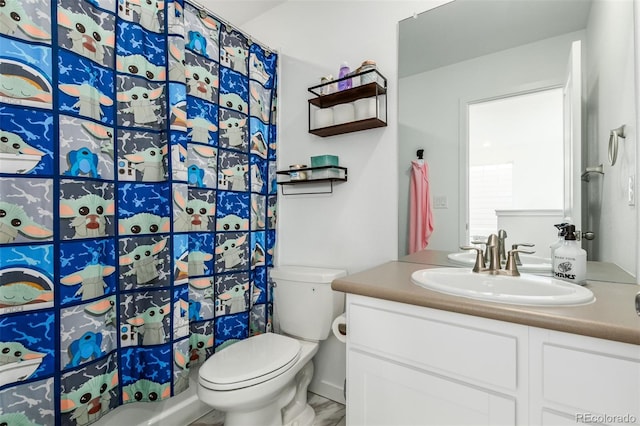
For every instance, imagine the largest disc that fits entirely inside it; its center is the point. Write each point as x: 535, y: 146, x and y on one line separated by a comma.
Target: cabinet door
x: 382, y: 392
x: 583, y: 378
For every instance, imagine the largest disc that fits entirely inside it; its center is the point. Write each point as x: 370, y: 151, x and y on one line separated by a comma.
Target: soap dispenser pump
x: 570, y: 260
x: 561, y: 234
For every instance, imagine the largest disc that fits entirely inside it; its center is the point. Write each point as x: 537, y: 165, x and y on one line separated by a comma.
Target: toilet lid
x: 250, y: 361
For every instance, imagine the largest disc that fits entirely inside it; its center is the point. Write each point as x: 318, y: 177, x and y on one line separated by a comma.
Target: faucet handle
x: 514, y: 251
x: 479, y: 265
x: 513, y: 261
x: 515, y: 246
x: 516, y: 258
x: 484, y: 247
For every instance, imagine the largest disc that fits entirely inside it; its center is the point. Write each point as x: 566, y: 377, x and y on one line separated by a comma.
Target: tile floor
x: 328, y: 413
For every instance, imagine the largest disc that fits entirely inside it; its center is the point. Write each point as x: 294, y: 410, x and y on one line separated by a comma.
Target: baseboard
x: 328, y: 390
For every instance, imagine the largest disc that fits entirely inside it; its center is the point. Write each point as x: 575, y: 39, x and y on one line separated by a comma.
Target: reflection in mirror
x: 515, y: 151
x: 467, y: 51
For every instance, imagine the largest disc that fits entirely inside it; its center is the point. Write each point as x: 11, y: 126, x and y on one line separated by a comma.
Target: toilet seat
x: 249, y: 362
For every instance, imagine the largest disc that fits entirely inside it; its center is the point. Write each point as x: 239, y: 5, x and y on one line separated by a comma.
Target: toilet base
x: 267, y: 416
x: 267, y: 413
x: 298, y: 412
x: 295, y: 411
x: 305, y: 418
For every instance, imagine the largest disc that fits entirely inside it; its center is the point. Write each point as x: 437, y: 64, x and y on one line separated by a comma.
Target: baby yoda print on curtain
x: 137, y: 201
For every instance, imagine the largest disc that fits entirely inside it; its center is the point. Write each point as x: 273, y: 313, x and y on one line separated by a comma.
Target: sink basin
x: 530, y: 263
x: 526, y: 289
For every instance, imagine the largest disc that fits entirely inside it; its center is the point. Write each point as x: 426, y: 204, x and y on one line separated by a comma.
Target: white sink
x: 530, y: 263
x: 526, y: 289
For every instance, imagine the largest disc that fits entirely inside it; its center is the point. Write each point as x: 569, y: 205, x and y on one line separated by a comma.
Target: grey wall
x: 610, y: 76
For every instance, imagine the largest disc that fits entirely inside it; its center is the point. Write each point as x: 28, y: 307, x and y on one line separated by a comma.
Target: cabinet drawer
x: 590, y: 381
x: 455, y: 348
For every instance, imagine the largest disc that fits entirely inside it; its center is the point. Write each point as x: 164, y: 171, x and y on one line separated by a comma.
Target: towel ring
x: 613, y: 143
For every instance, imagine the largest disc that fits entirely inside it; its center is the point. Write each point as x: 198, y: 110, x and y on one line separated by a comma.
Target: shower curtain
x: 137, y: 201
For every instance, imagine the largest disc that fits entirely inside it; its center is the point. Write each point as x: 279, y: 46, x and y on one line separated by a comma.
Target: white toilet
x: 263, y: 380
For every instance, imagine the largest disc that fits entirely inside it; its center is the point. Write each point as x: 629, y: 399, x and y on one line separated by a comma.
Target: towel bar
x: 595, y: 169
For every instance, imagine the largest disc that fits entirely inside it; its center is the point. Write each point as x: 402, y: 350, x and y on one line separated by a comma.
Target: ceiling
x: 453, y: 32
x: 465, y: 29
x: 239, y: 12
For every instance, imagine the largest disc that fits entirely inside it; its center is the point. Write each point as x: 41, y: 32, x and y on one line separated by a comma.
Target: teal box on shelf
x: 324, y: 160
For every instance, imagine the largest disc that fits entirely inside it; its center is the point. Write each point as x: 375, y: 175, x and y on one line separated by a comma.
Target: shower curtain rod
x: 228, y: 24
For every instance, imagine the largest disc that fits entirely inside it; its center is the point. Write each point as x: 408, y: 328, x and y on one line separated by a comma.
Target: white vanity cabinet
x: 410, y: 365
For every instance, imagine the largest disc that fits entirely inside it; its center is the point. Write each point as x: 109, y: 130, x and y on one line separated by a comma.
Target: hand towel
x: 420, y: 213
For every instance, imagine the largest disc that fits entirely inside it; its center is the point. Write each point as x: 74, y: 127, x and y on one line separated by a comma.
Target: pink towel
x: 420, y: 214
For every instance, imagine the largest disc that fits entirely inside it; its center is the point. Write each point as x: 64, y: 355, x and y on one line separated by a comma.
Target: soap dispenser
x: 570, y: 260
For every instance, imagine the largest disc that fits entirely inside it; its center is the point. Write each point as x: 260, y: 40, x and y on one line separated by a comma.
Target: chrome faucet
x: 494, y: 250
x: 498, y: 242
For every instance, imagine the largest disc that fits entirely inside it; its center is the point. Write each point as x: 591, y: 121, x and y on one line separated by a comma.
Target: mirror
x: 467, y: 51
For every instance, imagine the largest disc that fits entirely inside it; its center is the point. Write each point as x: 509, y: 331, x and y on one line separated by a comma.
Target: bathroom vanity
x: 421, y: 357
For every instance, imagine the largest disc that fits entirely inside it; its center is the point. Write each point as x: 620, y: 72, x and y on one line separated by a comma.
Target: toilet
x: 263, y: 380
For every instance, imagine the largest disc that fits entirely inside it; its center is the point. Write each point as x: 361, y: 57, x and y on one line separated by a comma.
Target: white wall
x: 611, y: 102
x: 354, y: 228
x: 429, y: 118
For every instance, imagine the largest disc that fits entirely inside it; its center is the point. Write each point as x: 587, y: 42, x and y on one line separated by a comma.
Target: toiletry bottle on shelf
x: 344, y: 71
x: 561, y: 233
x: 570, y: 260
x: 367, y: 77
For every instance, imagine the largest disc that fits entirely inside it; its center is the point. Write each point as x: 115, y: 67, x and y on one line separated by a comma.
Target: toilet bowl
x: 263, y: 380
x: 261, y: 390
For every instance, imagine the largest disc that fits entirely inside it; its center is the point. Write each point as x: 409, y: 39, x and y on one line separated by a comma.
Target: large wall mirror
x: 543, y: 69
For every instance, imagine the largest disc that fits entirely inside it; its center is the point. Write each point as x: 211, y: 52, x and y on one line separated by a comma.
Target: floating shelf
x: 349, y: 95
x: 375, y: 117
x: 341, y: 172
x: 353, y: 126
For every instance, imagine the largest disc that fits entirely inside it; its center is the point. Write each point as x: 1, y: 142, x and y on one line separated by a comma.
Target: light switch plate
x: 440, y: 202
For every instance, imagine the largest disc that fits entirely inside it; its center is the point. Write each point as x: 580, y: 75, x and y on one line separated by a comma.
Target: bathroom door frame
x: 463, y: 141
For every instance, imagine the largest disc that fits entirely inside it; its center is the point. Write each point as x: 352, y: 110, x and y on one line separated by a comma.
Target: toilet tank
x: 304, y: 303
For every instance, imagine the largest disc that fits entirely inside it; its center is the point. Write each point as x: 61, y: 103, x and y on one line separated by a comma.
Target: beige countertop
x: 596, y: 271
x: 612, y: 316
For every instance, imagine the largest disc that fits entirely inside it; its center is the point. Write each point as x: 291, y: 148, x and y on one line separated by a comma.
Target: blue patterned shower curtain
x: 137, y: 201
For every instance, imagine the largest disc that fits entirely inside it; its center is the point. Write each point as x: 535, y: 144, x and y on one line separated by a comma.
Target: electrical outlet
x: 631, y: 191
x: 440, y: 202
